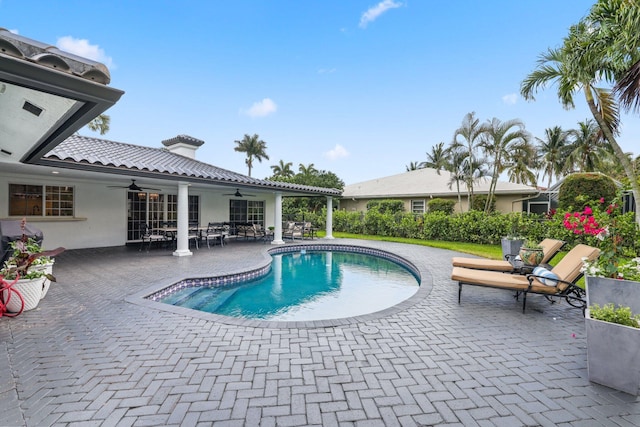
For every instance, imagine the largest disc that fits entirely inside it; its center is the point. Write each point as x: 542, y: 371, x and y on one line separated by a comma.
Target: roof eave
x: 95, y: 98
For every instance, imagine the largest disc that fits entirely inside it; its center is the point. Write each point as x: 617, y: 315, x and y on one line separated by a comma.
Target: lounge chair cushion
x: 482, y: 264
x: 496, y: 279
x: 547, y: 277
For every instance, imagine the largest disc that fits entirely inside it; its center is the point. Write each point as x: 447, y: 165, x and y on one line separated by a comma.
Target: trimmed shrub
x: 582, y: 189
x: 480, y: 200
x: 383, y: 206
x: 441, y: 205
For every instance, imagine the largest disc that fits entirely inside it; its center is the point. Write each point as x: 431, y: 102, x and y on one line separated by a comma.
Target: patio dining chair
x: 214, y: 232
x: 150, y: 236
x: 194, y: 234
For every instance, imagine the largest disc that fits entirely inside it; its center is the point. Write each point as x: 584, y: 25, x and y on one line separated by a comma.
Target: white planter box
x: 613, y: 351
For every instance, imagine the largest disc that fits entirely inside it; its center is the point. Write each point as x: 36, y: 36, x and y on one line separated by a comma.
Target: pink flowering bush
x: 600, y: 227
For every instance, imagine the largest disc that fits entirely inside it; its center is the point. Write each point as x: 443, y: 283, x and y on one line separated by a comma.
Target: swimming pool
x: 303, y: 283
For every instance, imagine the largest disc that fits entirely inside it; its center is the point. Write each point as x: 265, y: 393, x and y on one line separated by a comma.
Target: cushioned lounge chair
x: 550, y: 247
x: 558, y: 282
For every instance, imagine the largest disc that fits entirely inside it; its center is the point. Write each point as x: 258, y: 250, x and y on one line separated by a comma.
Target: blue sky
x: 360, y: 87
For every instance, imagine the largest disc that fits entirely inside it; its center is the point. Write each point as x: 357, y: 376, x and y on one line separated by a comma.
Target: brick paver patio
x: 94, y: 354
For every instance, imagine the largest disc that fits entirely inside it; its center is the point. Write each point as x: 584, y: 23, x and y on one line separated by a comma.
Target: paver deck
x: 93, y: 354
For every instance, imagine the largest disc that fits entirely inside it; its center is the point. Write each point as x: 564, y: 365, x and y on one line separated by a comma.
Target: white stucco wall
x: 100, y: 217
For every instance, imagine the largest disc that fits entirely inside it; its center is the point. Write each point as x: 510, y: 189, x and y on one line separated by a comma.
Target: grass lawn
x: 487, y: 251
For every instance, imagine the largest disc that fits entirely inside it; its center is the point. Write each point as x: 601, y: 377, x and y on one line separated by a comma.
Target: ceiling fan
x: 238, y: 194
x: 133, y: 187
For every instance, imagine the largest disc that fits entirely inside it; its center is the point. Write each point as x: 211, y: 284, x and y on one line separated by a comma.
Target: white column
x: 182, y: 248
x: 329, y: 218
x: 277, y: 231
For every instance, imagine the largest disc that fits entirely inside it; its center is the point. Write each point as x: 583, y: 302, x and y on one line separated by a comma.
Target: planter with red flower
x: 23, y: 276
x: 612, y: 280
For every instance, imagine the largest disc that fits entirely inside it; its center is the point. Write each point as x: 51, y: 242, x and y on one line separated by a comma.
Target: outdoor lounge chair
x: 566, y: 273
x: 550, y: 247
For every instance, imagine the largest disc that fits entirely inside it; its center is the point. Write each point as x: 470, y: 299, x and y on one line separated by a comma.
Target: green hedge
x: 473, y: 227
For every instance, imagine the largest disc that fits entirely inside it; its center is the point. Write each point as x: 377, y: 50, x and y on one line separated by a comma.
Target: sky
x: 360, y: 88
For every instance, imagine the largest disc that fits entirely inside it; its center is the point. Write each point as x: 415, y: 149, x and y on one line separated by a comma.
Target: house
x: 90, y: 192
x: 415, y: 188
x: 548, y: 199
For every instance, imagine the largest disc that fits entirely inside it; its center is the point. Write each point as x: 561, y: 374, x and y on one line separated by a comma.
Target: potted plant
x: 613, y: 347
x: 513, y: 241
x: 531, y: 253
x: 612, y: 280
x: 24, y: 274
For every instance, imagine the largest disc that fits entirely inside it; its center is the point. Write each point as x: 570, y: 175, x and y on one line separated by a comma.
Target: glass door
x: 136, y: 214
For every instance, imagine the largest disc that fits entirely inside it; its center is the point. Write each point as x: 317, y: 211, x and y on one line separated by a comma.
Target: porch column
x: 329, y: 218
x: 182, y: 247
x: 277, y: 231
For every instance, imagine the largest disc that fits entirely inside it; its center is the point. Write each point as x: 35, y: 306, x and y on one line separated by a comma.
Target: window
x: 194, y: 208
x: 417, y: 206
x: 244, y: 211
x: 40, y: 200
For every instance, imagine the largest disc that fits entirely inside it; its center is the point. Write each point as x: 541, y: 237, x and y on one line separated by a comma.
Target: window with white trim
x: 41, y: 200
x: 417, y: 206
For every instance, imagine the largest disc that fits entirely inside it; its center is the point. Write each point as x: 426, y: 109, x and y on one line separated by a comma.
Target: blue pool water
x: 307, y: 285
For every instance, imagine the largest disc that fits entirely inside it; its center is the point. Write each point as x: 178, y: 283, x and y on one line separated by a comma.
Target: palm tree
x: 470, y: 132
x: 413, y: 166
x: 282, y: 170
x: 498, y: 141
x: 617, y: 25
x: 253, y: 147
x: 553, y: 152
x: 455, y: 167
x: 522, y: 159
x: 587, y: 150
x: 437, y: 159
x: 100, y: 124
x: 307, y: 171
x: 576, y: 67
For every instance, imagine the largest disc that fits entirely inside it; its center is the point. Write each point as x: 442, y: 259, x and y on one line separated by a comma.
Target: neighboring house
x: 415, y: 188
x: 79, y: 190
x: 548, y: 200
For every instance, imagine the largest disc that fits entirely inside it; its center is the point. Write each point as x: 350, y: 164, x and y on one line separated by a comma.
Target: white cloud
x: 336, y: 152
x: 261, y: 108
x: 14, y: 31
x: 510, y: 99
x: 374, y: 12
x: 81, y: 47
x: 326, y: 70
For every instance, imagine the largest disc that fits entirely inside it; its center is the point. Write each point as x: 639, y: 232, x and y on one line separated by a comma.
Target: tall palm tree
x: 587, y: 150
x: 307, y: 171
x: 617, y: 25
x: 437, y: 158
x: 282, y: 170
x: 553, y: 152
x: 577, y: 66
x: 254, y: 147
x: 522, y: 159
x: 455, y: 167
x: 468, y: 136
x: 497, y: 142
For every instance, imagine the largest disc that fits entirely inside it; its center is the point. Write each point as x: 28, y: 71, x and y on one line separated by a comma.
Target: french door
x: 156, y: 210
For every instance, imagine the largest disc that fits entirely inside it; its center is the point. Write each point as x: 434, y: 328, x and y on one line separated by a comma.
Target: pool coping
x: 414, y: 265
